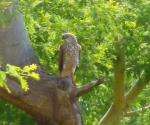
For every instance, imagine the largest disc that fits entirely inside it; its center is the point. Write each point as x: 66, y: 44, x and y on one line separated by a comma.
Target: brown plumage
x: 69, y: 56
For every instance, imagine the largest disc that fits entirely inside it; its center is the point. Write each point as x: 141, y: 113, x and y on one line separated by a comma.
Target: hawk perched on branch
x: 69, y: 56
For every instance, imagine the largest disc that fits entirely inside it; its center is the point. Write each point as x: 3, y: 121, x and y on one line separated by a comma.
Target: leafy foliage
x: 12, y: 115
x: 21, y: 74
x: 4, y: 5
x: 6, y: 12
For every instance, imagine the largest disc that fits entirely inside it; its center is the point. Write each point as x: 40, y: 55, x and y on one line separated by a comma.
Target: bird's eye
x: 65, y: 37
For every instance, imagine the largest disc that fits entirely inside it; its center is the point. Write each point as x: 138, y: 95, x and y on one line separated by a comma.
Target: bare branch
x: 87, y: 88
x: 131, y: 113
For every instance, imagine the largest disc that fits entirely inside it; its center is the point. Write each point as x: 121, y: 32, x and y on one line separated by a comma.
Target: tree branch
x: 119, y: 74
x: 87, y: 88
x: 136, y: 89
x: 131, y: 113
x: 114, y: 113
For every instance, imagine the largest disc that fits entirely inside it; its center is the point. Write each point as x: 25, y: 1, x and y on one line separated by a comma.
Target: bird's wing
x: 61, y: 59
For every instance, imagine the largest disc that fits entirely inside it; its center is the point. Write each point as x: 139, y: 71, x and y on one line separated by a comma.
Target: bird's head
x: 69, y: 38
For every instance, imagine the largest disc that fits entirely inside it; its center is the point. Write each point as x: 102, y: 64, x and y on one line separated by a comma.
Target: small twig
x: 87, y: 88
x: 131, y: 113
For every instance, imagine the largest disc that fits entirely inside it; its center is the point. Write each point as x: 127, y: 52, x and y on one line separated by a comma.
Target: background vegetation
x: 97, y: 25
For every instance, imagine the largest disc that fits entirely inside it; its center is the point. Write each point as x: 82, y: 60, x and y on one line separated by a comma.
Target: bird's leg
x: 65, y: 83
x: 73, y: 81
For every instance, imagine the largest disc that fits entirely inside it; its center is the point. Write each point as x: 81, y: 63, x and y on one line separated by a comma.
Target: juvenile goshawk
x: 69, y: 56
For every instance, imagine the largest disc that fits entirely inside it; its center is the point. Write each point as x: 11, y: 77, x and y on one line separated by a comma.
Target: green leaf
x: 34, y: 76
x: 2, y: 78
x: 30, y: 68
x: 36, y: 3
x: 13, y: 70
x: 24, y: 84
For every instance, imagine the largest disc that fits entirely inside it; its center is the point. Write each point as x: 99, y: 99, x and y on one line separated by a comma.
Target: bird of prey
x: 69, y: 56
